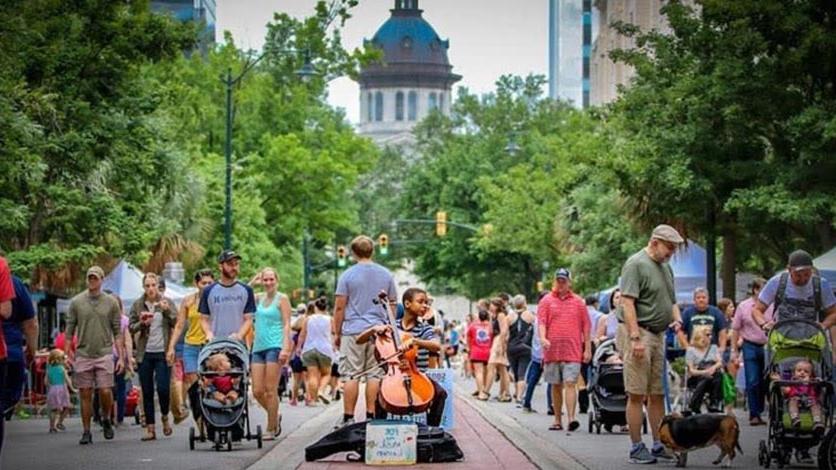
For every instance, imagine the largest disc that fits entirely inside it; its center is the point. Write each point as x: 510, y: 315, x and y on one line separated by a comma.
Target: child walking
x: 58, y: 396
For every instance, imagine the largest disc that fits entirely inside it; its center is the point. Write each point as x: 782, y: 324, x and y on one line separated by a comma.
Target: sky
x: 488, y: 38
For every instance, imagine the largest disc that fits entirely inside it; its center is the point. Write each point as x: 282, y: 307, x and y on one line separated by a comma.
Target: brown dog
x: 683, y: 435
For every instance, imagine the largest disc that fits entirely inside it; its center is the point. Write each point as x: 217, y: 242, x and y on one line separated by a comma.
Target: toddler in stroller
x: 220, y: 385
x: 803, y: 393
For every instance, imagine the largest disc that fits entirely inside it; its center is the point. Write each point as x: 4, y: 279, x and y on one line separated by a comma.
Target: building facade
x: 572, y: 30
x: 191, y: 10
x: 414, y: 78
x: 607, y: 75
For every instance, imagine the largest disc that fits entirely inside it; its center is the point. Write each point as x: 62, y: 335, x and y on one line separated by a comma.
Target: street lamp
x: 306, y: 73
x: 512, y: 148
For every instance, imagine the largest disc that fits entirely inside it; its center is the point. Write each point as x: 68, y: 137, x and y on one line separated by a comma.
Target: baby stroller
x: 225, y: 422
x: 790, y: 341
x: 607, y: 398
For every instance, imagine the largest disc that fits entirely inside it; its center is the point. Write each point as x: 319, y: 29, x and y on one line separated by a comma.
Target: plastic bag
x: 729, y: 390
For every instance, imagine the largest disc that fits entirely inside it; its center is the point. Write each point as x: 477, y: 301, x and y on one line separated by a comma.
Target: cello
x: 402, y: 391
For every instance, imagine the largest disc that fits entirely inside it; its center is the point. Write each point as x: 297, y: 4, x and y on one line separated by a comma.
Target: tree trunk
x: 728, y: 271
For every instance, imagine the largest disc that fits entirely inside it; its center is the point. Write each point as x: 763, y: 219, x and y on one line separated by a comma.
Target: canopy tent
x: 826, y: 264
x: 126, y: 281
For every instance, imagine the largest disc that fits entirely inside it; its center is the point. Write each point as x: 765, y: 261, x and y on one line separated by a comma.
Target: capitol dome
x: 413, y: 78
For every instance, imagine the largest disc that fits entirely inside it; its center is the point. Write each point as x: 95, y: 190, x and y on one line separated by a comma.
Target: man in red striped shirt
x: 564, y: 333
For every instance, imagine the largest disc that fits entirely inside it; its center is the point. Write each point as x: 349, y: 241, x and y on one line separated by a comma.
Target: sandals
x: 556, y: 427
x: 475, y: 394
x: 166, y: 426
x: 574, y: 425
x: 483, y: 397
x: 148, y: 436
x: 505, y: 399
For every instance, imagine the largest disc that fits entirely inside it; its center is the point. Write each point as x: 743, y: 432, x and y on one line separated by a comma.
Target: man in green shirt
x: 95, y: 318
x: 648, y: 308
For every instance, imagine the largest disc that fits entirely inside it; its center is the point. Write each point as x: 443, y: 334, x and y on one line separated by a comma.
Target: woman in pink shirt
x: 479, y: 338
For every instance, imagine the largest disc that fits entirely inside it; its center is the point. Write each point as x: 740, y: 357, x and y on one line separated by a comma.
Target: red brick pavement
x: 483, y: 447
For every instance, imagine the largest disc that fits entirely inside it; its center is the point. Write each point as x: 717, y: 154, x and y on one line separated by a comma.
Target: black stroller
x: 225, y: 422
x: 607, y: 397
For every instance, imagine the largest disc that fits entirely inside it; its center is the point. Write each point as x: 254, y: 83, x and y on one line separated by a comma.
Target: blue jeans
x: 753, y: 365
x: 532, y: 376
x: 154, y: 368
x: 121, y: 396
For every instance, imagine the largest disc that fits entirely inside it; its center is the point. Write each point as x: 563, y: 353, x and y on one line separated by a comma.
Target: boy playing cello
x: 415, y: 303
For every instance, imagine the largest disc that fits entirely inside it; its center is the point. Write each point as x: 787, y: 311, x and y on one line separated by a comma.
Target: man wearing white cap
x: 648, y: 308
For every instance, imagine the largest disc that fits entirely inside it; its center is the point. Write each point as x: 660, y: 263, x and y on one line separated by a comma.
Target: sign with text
x: 391, y: 443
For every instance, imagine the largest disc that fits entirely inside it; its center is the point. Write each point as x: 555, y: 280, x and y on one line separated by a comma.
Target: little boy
x: 414, y: 302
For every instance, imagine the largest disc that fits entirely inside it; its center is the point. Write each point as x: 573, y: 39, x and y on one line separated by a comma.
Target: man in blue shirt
x: 22, y: 323
x: 702, y: 315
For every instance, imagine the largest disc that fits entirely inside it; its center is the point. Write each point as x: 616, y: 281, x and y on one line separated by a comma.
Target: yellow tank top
x: 194, y: 335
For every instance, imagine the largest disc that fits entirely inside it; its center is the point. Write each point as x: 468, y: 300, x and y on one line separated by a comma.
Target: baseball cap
x: 301, y: 308
x: 228, y: 255
x: 562, y: 272
x: 800, y: 260
x: 667, y: 233
x: 95, y: 271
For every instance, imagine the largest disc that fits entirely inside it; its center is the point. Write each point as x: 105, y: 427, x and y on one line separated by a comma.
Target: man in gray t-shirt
x: 227, y: 306
x: 354, y: 312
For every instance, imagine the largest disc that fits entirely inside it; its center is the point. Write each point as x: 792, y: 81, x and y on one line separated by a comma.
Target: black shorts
x: 335, y: 370
x: 518, y: 364
x: 296, y: 365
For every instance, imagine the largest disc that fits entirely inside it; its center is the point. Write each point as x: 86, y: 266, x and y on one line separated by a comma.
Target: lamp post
x: 305, y: 74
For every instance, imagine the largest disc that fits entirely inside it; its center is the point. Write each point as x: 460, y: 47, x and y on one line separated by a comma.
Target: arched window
x: 369, y: 107
x: 399, y: 106
x: 378, y: 106
x: 433, y: 101
x: 413, y: 106
x: 441, y: 102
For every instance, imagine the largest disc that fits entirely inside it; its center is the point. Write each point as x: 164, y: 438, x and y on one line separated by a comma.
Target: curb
x: 290, y: 451
x: 546, y: 455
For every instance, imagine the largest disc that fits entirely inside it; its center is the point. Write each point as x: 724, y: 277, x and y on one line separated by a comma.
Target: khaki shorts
x: 356, y: 358
x: 93, y: 372
x: 315, y: 359
x: 642, y: 376
x: 557, y: 373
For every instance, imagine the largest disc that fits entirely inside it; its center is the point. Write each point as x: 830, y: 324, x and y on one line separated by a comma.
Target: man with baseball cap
x: 95, y: 317
x: 563, y: 328
x: 797, y: 293
x: 227, y: 305
x: 648, y: 308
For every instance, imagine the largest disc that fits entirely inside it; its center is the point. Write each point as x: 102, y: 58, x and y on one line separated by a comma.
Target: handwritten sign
x: 391, y: 443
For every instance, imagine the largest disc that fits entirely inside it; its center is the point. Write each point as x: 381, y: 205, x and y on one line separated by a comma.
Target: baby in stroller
x: 220, y: 385
x: 803, y: 394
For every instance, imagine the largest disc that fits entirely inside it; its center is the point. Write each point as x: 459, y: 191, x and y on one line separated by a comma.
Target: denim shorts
x: 190, y: 353
x: 266, y: 355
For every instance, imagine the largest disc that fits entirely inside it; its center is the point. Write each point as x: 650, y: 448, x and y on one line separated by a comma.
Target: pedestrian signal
x: 341, y: 256
x: 441, y: 223
x: 383, y: 242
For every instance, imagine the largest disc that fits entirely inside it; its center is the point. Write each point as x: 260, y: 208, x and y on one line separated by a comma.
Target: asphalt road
x: 28, y: 445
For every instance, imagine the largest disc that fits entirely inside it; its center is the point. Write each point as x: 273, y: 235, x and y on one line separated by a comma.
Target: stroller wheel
x: 597, y: 429
x: 608, y: 427
x: 229, y: 445
x: 191, y: 438
x: 591, y: 420
x: 258, y: 435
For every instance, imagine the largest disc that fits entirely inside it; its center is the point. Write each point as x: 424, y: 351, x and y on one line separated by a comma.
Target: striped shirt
x: 420, y: 330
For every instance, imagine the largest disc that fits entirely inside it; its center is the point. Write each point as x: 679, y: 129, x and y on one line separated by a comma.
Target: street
x: 491, y: 434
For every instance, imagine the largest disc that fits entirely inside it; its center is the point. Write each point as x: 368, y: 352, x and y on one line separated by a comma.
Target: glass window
x: 413, y: 106
x: 378, y: 106
x: 441, y: 102
x: 399, y: 106
x: 369, y: 107
x: 433, y: 101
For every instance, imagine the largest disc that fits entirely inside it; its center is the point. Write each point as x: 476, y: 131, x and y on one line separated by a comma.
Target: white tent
x: 826, y: 264
x: 126, y: 281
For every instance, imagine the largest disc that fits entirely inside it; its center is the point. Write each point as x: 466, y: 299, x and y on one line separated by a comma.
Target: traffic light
x: 341, y: 258
x: 441, y: 223
x: 383, y: 241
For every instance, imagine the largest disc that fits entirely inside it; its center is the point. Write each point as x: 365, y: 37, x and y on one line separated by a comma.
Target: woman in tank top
x: 315, y: 348
x: 271, y: 346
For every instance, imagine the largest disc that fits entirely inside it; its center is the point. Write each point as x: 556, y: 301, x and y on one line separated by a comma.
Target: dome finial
x: 406, y: 4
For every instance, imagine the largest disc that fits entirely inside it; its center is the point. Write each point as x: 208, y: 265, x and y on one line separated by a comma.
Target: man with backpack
x: 797, y: 293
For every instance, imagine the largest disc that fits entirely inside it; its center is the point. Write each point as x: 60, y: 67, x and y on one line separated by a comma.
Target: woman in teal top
x: 271, y: 346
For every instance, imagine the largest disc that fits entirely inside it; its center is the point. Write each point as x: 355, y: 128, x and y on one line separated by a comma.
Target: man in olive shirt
x: 95, y: 318
x: 648, y: 308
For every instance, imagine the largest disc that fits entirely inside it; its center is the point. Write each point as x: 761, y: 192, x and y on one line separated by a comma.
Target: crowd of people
x: 318, y: 357
x: 644, y: 319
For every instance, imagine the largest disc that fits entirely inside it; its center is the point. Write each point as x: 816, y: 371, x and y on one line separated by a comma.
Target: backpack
x: 434, y: 444
x: 782, y: 292
x: 519, y: 341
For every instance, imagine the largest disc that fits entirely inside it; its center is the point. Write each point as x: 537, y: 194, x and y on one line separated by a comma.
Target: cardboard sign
x: 391, y: 442
x: 443, y: 377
